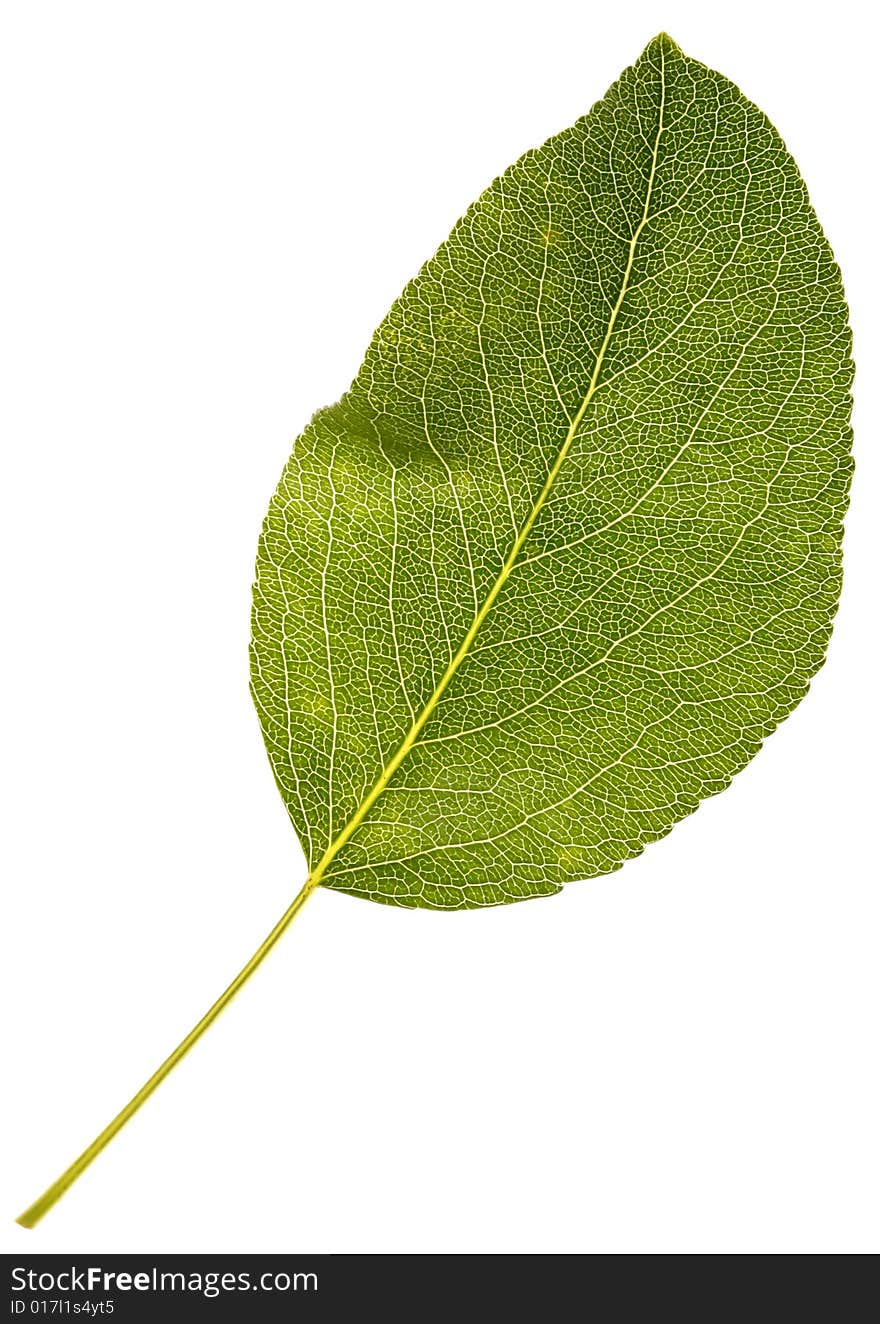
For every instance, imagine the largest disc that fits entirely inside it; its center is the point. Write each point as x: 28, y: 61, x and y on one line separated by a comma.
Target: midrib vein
x: 443, y: 684
x: 32, y: 1215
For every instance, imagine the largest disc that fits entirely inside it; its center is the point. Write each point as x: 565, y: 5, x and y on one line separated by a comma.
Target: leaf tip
x: 663, y: 42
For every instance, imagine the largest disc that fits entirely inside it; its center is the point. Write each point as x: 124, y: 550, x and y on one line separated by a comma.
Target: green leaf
x: 569, y: 548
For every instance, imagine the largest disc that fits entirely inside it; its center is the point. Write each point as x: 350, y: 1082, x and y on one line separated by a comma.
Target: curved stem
x: 53, y: 1193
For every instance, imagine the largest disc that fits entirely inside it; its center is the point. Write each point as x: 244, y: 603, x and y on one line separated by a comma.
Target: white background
x: 207, y: 209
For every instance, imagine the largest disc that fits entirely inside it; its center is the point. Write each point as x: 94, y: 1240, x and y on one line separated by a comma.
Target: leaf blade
x: 569, y: 548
